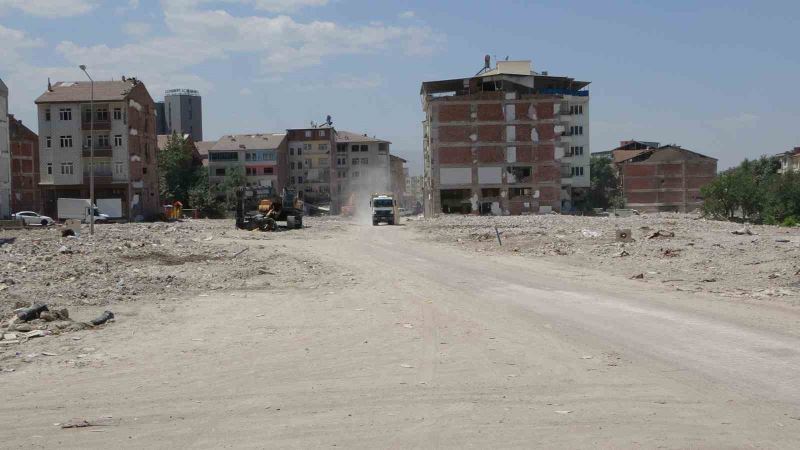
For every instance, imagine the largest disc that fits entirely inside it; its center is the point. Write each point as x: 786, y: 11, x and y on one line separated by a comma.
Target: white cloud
x: 50, y: 8
x: 132, y: 5
x: 345, y: 82
x: 246, y: 92
x: 407, y: 15
x: 12, y: 42
x: 270, y: 6
x: 137, y: 29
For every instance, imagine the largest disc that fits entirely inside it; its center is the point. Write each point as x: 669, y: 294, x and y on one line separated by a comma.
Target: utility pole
x: 91, y: 151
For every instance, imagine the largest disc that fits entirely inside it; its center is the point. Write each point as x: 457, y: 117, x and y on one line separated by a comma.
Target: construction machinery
x: 260, y: 208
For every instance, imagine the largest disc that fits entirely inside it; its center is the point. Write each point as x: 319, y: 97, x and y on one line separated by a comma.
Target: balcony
x: 99, y: 179
x: 99, y: 152
x: 86, y: 125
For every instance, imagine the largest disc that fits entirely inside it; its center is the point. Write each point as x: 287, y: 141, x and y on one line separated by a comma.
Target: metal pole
x: 91, y: 151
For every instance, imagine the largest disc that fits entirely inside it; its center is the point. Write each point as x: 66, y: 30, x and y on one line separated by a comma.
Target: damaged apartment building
x: 505, y: 141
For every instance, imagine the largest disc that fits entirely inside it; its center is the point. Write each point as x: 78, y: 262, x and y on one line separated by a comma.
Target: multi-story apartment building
x: 790, y: 161
x: 363, y: 167
x: 5, y: 155
x: 124, y: 142
x: 398, y: 176
x: 311, y: 167
x: 24, y: 167
x: 505, y: 141
x: 261, y: 158
x: 181, y: 112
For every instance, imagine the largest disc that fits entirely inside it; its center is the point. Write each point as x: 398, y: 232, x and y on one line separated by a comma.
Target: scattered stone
x: 661, y: 234
x: 742, y: 231
x: 103, y: 318
x: 638, y: 276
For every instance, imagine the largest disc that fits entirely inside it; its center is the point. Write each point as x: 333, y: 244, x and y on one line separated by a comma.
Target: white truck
x: 384, y: 209
x: 79, y: 208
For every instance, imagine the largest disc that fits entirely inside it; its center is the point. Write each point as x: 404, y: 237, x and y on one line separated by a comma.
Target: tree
x: 783, y: 199
x: 604, y: 190
x: 202, y: 199
x: 178, y: 176
x: 234, y: 180
x: 747, y: 192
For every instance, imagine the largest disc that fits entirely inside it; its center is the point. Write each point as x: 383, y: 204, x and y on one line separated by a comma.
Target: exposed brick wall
x: 455, y: 155
x: 490, y: 112
x: 662, y: 186
x: 544, y: 152
x: 491, y: 155
x: 544, y: 110
x: 458, y: 133
x: 454, y: 113
x: 525, y: 153
x: 491, y: 133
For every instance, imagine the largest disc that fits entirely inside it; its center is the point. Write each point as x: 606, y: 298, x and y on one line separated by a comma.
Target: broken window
x: 519, y: 174
x: 490, y: 192
x: 519, y: 192
x: 219, y: 172
x: 456, y: 201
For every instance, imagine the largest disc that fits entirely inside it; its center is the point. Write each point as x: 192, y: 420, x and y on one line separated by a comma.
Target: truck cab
x: 384, y: 209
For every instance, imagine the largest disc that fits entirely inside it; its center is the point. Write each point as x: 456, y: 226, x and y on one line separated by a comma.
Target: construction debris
x: 661, y: 234
x: 742, y: 231
x: 103, y: 318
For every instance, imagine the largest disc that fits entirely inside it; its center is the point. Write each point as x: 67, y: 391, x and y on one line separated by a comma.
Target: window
x: 306, y: 147
x: 576, y: 130
x: 144, y: 170
x: 308, y: 133
x: 147, y: 152
x: 223, y: 156
x: 291, y: 151
x: 49, y: 168
x: 299, y: 180
x: 101, y: 113
x: 323, y: 147
x: 292, y: 180
x: 118, y: 140
x: 66, y: 141
x: 321, y: 134
x: 355, y: 174
x: 88, y: 142
x: 102, y: 141
x: 117, y: 113
x: 576, y: 109
x: 299, y: 152
x: 65, y: 113
x: 249, y: 171
x: 341, y: 148
x: 47, y: 114
x: 354, y: 161
x: 269, y: 170
x: 577, y: 171
x: 219, y: 172
x: 307, y: 163
x: 291, y: 165
x: 119, y: 168
x: 577, y: 150
x: 48, y: 142
x: 67, y: 169
x: 364, y: 161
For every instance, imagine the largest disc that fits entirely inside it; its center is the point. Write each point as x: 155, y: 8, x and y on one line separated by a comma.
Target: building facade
x: 398, y: 176
x: 665, y: 178
x: 5, y: 155
x: 260, y: 158
x: 124, y: 143
x: 790, y: 161
x: 506, y: 141
x: 182, y: 113
x: 311, y: 163
x: 24, y: 167
x: 363, y: 167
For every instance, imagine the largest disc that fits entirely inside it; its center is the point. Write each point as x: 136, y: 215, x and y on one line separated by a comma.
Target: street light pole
x: 91, y: 150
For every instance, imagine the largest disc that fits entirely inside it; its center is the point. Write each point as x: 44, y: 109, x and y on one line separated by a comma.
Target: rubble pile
x: 680, y: 250
x: 125, y: 262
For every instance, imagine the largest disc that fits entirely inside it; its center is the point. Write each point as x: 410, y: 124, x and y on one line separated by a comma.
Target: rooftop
x: 77, y: 91
x: 349, y: 136
x: 259, y: 141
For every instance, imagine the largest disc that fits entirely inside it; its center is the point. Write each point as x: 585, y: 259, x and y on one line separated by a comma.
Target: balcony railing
x: 99, y: 152
x: 99, y: 179
x: 86, y: 125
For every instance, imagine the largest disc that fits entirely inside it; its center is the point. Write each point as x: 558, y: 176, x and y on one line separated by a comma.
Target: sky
x: 717, y: 77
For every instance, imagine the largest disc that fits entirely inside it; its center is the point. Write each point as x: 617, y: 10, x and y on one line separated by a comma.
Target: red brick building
x: 662, y: 178
x: 499, y: 142
x: 24, y: 167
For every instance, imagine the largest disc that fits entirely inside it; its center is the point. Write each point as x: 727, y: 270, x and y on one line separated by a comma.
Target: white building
x: 362, y: 164
x: 5, y: 155
x: 123, y: 144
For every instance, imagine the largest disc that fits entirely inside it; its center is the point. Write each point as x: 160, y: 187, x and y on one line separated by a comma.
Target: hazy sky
x: 718, y: 77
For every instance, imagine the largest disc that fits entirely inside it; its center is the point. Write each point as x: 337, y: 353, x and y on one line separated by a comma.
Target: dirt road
x: 426, y: 345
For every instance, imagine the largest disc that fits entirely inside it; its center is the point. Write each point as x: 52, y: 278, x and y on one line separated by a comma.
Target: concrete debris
x: 590, y: 233
x: 32, y: 313
x: 639, y: 276
x: 742, y: 231
x: 699, y: 249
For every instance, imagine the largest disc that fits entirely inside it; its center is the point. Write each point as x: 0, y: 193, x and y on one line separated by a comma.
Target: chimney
x: 487, y: 62
x: 49, y: 86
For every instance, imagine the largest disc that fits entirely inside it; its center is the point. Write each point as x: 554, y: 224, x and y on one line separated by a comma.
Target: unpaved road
x: 428, y: 346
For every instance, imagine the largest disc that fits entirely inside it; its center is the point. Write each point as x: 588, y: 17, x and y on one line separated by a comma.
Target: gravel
x: 703, y: 256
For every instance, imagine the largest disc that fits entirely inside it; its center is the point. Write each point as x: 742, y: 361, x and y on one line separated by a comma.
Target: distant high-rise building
x: 183, y: 113
x: 5, y: 155
x: 161, y: 119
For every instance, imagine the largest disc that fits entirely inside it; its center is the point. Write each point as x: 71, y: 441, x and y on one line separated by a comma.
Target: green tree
x: 783, y: 199
x: 234, y: 179
x: 178, y: 176
x: 203, y: 199
x: 604, y: 190
x: 743, y: 192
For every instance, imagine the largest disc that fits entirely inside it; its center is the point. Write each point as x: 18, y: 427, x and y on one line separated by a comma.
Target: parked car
x: 33, y: 218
